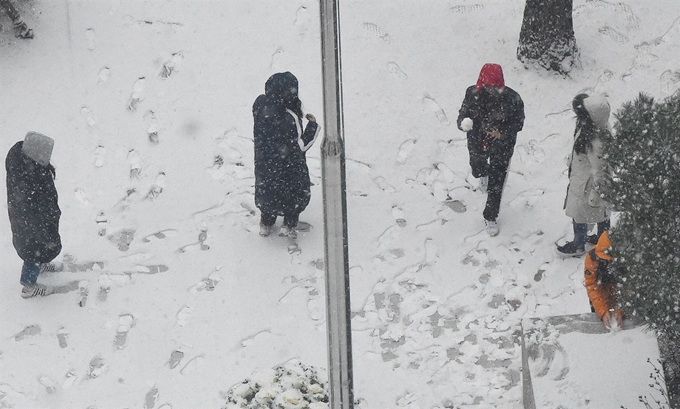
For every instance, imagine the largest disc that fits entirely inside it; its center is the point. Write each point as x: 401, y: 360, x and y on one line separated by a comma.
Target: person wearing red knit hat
x: 492, y: 114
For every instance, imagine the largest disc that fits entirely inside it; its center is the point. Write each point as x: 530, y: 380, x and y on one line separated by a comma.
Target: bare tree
x: 547, y: 36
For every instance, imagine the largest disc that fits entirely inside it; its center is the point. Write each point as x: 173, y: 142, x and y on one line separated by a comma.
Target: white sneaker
x: 492, y: 227
x: 484, y: 183
x: 35, y: 290
x: 265, y: 230
x: 288, y: 231
x: 53, y: 267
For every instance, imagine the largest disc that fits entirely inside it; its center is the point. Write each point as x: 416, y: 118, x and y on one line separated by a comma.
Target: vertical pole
x: 335, y: 215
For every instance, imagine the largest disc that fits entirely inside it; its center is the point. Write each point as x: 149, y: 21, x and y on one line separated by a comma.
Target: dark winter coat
x: 282, y: 185
x: 32, y: 205
x: 504, y: 113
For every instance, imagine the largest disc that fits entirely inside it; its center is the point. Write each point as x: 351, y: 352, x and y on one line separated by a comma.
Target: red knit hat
x: 490, y: 74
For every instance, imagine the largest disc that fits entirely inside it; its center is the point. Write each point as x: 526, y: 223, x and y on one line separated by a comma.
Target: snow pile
x: 292, y: 385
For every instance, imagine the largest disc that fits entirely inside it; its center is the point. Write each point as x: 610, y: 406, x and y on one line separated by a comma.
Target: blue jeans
x: 581, y: 230
x: 30, y: 272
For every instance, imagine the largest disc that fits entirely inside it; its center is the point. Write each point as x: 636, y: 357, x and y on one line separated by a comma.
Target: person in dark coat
x: 492, y: 114
x: 282, y: 185
x: 33, y: 209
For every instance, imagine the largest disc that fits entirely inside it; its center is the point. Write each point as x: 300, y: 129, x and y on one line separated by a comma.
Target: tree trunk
x: 547, y: 36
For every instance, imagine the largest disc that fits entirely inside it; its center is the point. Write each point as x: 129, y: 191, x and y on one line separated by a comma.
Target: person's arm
x: 467, y: 111
x: 306, y: 140
x: 514, y: 122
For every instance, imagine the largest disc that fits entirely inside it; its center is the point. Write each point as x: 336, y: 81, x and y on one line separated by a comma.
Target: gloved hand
x: 466, y: 124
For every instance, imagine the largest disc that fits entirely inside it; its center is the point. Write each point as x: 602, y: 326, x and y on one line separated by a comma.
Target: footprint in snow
x: 388, y: 236
x: 151, y: 131
x: 613, y: 34
x: 48, y: 383
x: 62, y: 337
x: 135, y: 165
x: 405, y: 150
x: 207, y: 284
x: 69, y: 379
x: 396, y: 71
x: 160, y: 235
x: 175, y: 358
x: 276, y: 58
x: 172, y: 65
x: 99, y: 155
x: 96, y: 368
x: 381, y: 182
x: 433, y: 106
x: 398, y: 214
x: 192, y: 365
x: 29, y: 331
x: 83, y: 292
x: 123, y: 238
x: 160, y: 183
x: 670, y: 81
x: 465, y: 9
x: 302, y: 20
x: 90, y: 39
x: 87, y: 115
x: 377, y: 31
x: 125, y: 323
x: 151, y: 397
x: 82, y: 197
x: 457, y: 206
x: 148, y: 269
x: 184, y: 314
x: 104, y: 75
x: 137, y: 94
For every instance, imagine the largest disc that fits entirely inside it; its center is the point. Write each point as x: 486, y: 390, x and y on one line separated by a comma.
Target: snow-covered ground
x: 149, y: 103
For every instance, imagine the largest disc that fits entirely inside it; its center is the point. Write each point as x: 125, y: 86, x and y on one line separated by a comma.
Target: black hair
x: 585, y: 127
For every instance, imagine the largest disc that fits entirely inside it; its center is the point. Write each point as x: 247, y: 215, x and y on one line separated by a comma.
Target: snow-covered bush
x: 288, y: 386
x: 644, y: 156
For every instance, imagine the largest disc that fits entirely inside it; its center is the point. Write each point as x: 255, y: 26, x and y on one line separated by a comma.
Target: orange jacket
x: 600, y: 284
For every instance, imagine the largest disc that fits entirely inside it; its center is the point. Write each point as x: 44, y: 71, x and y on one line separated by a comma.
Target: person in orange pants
x: 601, y: 283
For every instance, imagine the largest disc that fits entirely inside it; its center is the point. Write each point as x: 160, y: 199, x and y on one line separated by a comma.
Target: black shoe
x: 21, y: 30
x: 570, y: 249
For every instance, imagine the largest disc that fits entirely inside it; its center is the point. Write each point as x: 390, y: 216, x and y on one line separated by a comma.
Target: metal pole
x: 335, y: 215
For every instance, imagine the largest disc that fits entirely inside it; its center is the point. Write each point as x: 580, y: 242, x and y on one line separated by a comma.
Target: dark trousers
x: 581, y: 230
x: 29, y: 273
x: 492, y: 159
x: 10, y: 9
x: 289, y: 220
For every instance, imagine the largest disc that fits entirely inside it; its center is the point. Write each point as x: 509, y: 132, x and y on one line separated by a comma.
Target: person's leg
x: 603, y: 227
x: 479, y: 157
x: 580, y: 232
x: 10, y: 10
x: 498, y: 170
x: 267, y: 224
x: 267, y: 219
x: 29, y: 273
x: 291, y: 220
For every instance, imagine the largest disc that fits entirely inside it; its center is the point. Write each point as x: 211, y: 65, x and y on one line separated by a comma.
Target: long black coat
x: 33, y: 209
x: 282, y: 185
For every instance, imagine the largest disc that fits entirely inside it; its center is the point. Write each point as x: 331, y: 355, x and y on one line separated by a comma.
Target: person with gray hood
x: 587, y: 174
x: 32, y: 203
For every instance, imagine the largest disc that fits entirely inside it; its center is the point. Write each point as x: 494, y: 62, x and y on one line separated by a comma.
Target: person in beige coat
x: 587, y: 174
